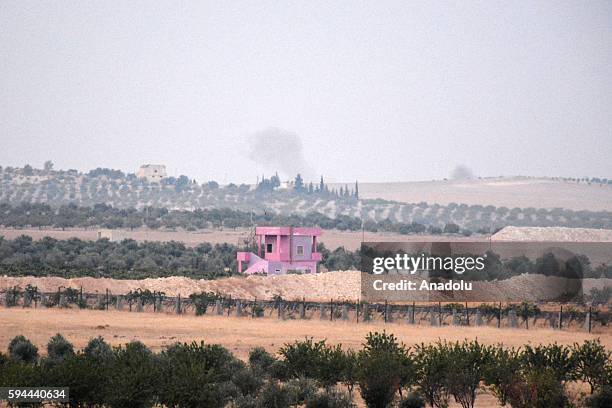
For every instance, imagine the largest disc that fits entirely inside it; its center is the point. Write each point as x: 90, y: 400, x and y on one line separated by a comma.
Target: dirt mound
x: 341, y: 285
x: 555, y: 234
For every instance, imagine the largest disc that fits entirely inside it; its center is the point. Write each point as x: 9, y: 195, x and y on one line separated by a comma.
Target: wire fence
x: 525, y: 315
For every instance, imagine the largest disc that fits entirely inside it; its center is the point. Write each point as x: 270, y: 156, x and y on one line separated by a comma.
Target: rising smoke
x: 280, y: 150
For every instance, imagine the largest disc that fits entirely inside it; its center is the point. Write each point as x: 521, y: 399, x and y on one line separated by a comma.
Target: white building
x: 152, y: 172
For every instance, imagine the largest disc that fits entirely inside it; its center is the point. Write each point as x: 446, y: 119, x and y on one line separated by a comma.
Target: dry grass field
x: 240, y: 335
x: 504, y: 191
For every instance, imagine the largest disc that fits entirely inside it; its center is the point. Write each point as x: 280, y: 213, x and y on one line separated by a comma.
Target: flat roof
x: 309, y: 231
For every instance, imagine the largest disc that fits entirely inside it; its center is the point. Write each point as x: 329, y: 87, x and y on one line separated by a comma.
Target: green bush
x: 538, y: 388
x: 383, y: 363
x: 97, y: 348
x: 432, y: 366
x: 468, y: 362
x: 248, y: 381
x: 260, y: 359
x: 301, y: 389
x: 274, y: 395
x: 133, y: 378
x: 329, y: 399
x: 22, y: 349
x: 58, y: 348
x: 189, y: 375
x: 591, y: 359
x: 302, y: 357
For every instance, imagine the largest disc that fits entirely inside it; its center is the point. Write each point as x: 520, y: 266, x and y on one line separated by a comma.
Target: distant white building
x: 152, y: 172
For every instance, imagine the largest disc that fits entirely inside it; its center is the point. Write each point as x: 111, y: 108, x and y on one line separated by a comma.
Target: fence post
x: 440, y: 314
x: 331, y: 310
x: 219, y: 306
x: 499, y: 312
x: 478, y: 317
x: 410, y: 314
x: 178, y: 304
x: 467, y: 314
x: 107, y: 299
x: 385, y: 311
x: 357, y: 310
x: 238, y: 308
x: 561, y: 318
x: 590, y: 316
x: 253, y: 308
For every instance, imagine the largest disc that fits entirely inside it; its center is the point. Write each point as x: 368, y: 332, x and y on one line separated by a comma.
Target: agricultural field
x: 552, y: 203
x: 241, y: 334
x: 508, y: 192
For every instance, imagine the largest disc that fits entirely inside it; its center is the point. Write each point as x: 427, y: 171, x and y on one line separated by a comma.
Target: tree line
x: 129, y: 259
x: 313, y: 374
x: 39, y: 215
x: 108, y: 186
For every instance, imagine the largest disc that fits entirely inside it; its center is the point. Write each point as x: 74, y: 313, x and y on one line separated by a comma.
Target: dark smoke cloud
x: 280, y: 150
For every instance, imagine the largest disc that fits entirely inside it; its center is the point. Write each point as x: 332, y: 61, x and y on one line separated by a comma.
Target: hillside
x: 500, y: 191
x: 119, y: 190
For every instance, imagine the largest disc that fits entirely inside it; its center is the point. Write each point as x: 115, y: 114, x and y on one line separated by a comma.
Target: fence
x: 525, y: 316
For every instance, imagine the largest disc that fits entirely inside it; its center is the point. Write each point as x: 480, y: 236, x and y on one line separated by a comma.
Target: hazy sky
x: 375, y: 91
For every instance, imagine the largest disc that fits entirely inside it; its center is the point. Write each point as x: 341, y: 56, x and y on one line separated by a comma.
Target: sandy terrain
x: 509, y: 192
x: 550, y: 234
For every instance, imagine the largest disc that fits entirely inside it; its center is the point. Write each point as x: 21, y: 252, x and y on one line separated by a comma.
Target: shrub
x: 59, y: 348
x: 22, y: 349
x: 247, y: 381
x: 432, y: 366
x: 303, y: 357
x: 558, y: 359
x: 97, y: 348
x: 382, y: 363
x: 190, y: 375
x: 132, y: 379
x: 274, y: 395
x: 244, y: 401
x: 280, y: 371
x: 538, y: 389
x: 330, y: 399
x: 260, y: 359
x: 503, y: 372
x: 413, y: 400
x: 467, y: 369
x: 301, y: 389
x: 601, y: 399
x: 591, y: 360
x: 85, y: 376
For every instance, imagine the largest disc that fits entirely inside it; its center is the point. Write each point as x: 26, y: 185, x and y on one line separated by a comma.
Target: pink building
x: 282, y: 249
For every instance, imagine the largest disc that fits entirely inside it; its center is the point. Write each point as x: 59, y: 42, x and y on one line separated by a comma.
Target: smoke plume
x: 279, y: 150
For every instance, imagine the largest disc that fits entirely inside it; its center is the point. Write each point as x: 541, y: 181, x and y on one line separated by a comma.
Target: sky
x: 368, y: 91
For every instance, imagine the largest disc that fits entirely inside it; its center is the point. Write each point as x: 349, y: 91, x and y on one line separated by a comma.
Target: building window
x: 300, y: 250
x: 268, y: 248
